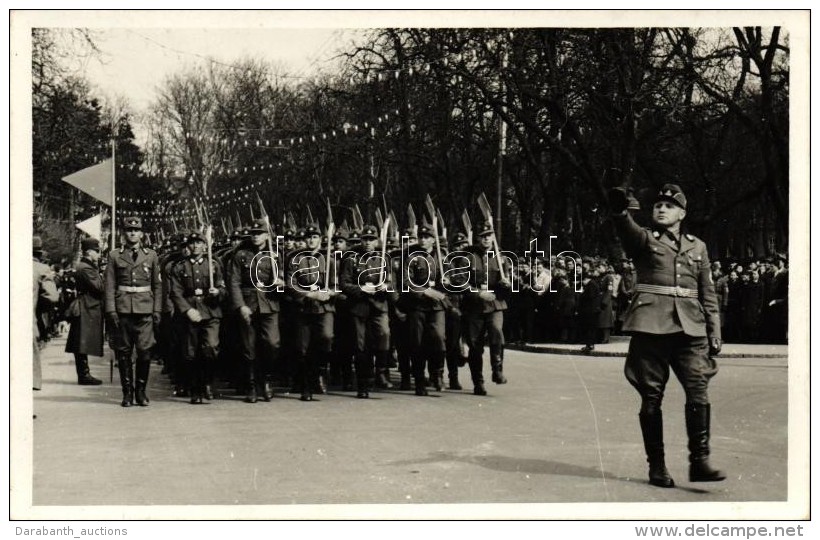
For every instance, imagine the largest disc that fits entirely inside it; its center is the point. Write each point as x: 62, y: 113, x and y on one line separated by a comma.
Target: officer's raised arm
x: 633, y: 236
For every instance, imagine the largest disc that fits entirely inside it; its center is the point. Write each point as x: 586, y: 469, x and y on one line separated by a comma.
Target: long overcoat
x: 86, y: 333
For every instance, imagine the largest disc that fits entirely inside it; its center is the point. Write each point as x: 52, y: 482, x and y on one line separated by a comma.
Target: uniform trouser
x: 135, y: 330
x: 478, y: 326
x: 201, y: 345
x: 400, y: 332
x: 259, y: 343
x: 178, y: 365
x: 453, y: 323
x: 372, y: 338
x: 286, y: 366
x: 228, y: 348
x: 314, y: 339
x: 426, y: 330
x: 343, y: 347
x: 651, y: 355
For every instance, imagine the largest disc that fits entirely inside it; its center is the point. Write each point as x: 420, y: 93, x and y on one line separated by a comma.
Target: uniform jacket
x: 419, y: 273
x: 484, y: 277
x: 305, y: 273
x: 658, y: 261
x: 86, y: 333
x: 244, y: 290
x: 167, y: 263
x: 190, y: 281
x: 123, y: 271
x: 368, y: 266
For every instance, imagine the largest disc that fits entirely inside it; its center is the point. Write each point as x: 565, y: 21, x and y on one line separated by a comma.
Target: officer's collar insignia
x: 690, y: 237
x: 656, y: 234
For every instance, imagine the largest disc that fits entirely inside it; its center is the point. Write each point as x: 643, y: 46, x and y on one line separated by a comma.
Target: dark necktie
x: 134, y: 255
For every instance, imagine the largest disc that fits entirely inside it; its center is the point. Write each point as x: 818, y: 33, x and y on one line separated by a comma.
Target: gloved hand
x: 618, y: 200
x: 194, y: 315
x: 487, y: 296
x: 434, y: 294
x: 113, y: 320
x: 714, y: 346
x: 245, y: 311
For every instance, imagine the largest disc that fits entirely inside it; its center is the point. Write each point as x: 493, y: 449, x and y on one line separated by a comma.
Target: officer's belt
x: 125, y: 288
x: 668, y: 291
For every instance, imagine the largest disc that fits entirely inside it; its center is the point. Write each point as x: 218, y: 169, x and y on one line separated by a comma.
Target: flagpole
x: 113, y: 195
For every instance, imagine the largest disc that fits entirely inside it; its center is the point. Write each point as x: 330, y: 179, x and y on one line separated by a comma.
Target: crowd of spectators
x: 551, y: 308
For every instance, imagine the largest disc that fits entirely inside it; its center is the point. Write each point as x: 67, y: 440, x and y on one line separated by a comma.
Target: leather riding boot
x: 306, y: 372
x: 437, y: 371
x: 475, y: 360
x: 126, y: 379
x: 382, y: 370
x: 347, y: 375
x: 406, y: 381
x: 421, y: 387
x: 84, y: 377
x: 364, y: 373
x: 652, y: 430
x: 141, y: 383
x: 208, y: 363
x: 454, y: 384
x: 250, y: 391
x: 497, y: 364
x: 698, y: 428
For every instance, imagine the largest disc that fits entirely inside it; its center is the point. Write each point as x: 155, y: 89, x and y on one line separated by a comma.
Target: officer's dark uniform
x: 250, y: 278
x: 133, y: 302
x: 307, y: 281
x: 674, y: 320
x: 485, y: 316
x: 370, y: 320
x: 425, y: 304
x: 190, y: 284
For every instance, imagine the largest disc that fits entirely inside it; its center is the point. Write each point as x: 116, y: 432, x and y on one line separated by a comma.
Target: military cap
x: 426, y: 229
x: 236, y: 235
x: 300, y: 234
x: 36, y: 242
x: 410, y: 232
x: 459, y: 240
x: 673, y: 194
x: 194, y: 236
x: 258, y: 226
x: 370, y: 231
x: 354, y: 237
x: 90, y: 243
x: 485, y: 228
x: 312, y: 228
x: 133, y: 222
x: 339, y: 234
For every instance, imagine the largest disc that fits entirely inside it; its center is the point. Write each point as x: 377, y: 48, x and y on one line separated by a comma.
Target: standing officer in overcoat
x: 86, y: 333
x: 675, y: 323
x: 199, y: 302
x: 133, y: 302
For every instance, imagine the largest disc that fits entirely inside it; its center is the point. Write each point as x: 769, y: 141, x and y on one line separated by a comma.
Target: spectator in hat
x: 85, y: 337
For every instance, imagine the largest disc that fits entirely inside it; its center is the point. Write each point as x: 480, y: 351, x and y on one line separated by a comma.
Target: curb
x: 616, y: 354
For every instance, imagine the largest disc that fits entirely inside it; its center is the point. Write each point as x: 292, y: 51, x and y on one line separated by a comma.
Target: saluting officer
x: 86, y: 333
x: 365, y: 280
x: 484, y: 307
x: 312, y: 289
x: 133, y: 302
x: 675, y: 322
x: 199, y: 302
x: 255, y: 276
x: 421, y: 284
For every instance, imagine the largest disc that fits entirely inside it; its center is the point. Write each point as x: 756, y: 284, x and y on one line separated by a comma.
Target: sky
x: 135, y: 61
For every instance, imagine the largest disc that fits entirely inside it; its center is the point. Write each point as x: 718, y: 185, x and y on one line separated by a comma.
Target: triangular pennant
x: 96, y: 181
x: 92, y: 226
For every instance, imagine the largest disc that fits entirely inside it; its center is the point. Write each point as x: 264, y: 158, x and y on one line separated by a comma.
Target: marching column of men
x: 345, y: 312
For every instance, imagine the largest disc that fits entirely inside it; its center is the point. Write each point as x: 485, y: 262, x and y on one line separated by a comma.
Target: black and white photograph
x: 379, y: 265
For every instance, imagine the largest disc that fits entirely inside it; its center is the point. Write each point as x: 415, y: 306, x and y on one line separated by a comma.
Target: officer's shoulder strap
x: 692, y: 237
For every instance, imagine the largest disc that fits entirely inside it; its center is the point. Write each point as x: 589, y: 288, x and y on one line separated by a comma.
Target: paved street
x: 564, y: 429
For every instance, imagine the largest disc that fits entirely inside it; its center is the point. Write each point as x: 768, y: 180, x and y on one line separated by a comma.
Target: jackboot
x: 497, y: 364
x: 308, y: 380
x: 652, y: 430
x: 475, y: 360
x: 142, y: 369
x: 421, y: 387
x: 84, y: 377
x: 383, y: 359
x: 698, y: 419
x: 454, y: 384
x: 126, y: 380
x: 406, y: 381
